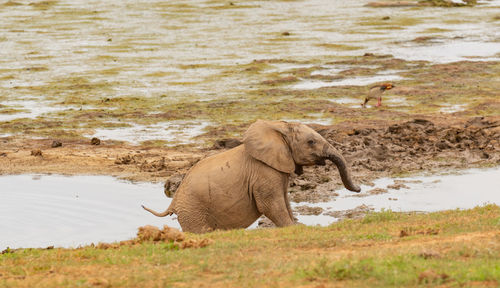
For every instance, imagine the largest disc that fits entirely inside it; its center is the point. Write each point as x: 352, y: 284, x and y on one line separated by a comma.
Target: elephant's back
x: 214, y: 173
x: 217, y: 187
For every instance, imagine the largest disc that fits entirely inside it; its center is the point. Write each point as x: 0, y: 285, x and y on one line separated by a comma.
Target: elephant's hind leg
x: 194, y: 222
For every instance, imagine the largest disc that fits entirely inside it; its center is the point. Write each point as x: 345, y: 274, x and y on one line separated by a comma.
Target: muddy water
x: 41, y: 211
x: 424, y: 193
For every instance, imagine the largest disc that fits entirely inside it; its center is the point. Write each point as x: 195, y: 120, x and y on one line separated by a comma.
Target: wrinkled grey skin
x: 232, y: 189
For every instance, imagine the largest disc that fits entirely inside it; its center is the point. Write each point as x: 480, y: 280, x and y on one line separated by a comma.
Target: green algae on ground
x: 339, y: 46
x: 427, y: 86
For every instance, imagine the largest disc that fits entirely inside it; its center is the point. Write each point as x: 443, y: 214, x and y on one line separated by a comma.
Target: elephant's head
x: 289, y: 146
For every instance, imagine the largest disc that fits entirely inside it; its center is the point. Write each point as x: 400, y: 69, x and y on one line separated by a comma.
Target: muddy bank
x: 374, y: 149
x: 400, y: 149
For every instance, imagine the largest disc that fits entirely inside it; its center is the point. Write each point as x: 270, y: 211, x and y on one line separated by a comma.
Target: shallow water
x: 354, y: 81
x: 29, y: 109
x: 41, y: 211
x: 466, y: 190
x: 453, y: 108
x: 173, y: 132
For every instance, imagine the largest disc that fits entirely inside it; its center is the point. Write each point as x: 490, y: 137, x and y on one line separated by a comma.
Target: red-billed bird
x: 376, y: 92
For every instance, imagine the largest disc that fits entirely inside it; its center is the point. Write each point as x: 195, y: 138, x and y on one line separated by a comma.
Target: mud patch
x: 355, y: 213
x: 154, y: 234
x: 307, y: 210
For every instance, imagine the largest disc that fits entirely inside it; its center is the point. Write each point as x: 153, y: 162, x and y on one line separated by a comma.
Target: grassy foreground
x: 450, y: 248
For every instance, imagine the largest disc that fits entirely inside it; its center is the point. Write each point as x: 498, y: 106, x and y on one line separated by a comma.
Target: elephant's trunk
x: 345, y: 174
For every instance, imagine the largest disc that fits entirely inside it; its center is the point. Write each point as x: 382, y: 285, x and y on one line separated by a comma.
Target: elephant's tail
x: 169, y: 211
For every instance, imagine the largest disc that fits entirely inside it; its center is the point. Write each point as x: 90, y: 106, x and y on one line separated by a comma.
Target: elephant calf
x: 232, y: 189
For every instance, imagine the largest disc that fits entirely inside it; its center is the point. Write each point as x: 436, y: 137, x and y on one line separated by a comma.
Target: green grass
x: 463, y: 249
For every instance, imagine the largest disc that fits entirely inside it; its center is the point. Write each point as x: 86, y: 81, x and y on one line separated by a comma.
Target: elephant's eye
x: 310, y: 142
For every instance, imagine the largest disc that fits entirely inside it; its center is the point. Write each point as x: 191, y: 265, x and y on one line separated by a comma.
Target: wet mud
x: 399, y: 149
x: 153, y: 234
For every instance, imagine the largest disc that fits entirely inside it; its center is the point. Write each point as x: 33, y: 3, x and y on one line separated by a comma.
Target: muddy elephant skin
x: 232, y: 189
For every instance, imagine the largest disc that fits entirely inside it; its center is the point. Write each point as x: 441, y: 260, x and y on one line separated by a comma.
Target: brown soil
x: 306, y: 210
x: 387, y: 149
x: 355, y: 213
x: 150, y: 233
x: 373, y: 149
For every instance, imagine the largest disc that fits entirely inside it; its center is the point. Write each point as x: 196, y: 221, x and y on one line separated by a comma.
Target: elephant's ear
x: 264, y: 141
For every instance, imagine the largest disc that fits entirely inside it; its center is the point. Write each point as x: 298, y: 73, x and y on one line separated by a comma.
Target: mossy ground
x: 383, y: 249
x: 425, y: 90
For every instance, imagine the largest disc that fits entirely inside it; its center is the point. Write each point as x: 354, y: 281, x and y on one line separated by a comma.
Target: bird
x: 376, y: 92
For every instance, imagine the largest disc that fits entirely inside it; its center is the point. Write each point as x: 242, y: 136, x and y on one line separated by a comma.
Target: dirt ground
x: 373, y: 149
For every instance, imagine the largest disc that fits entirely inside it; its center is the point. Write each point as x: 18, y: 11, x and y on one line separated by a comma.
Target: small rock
x: 442, y: 145
x: 264, y: 222
x: 355, y: 213
x: 386, y: 18
x: 397, y: 186
x: 98, y: 282
x: 36, y: 152
x: 430, y: 276
x: 192, y: 243
x: 152, y: 233
x: 422, y: 39
x: 3, y: 154
x: 56, y: 144
x: 376, y: 191
x: 429, y: 254
x: 307, y: 210
x: 124, y: 160
x: 95, y: 141
x: 303, y: 184
x: 7, y: 250
x: 286, y: 33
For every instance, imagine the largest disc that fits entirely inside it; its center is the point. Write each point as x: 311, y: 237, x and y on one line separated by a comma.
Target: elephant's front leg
x: 272, y: 202
x: 288, y: 207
